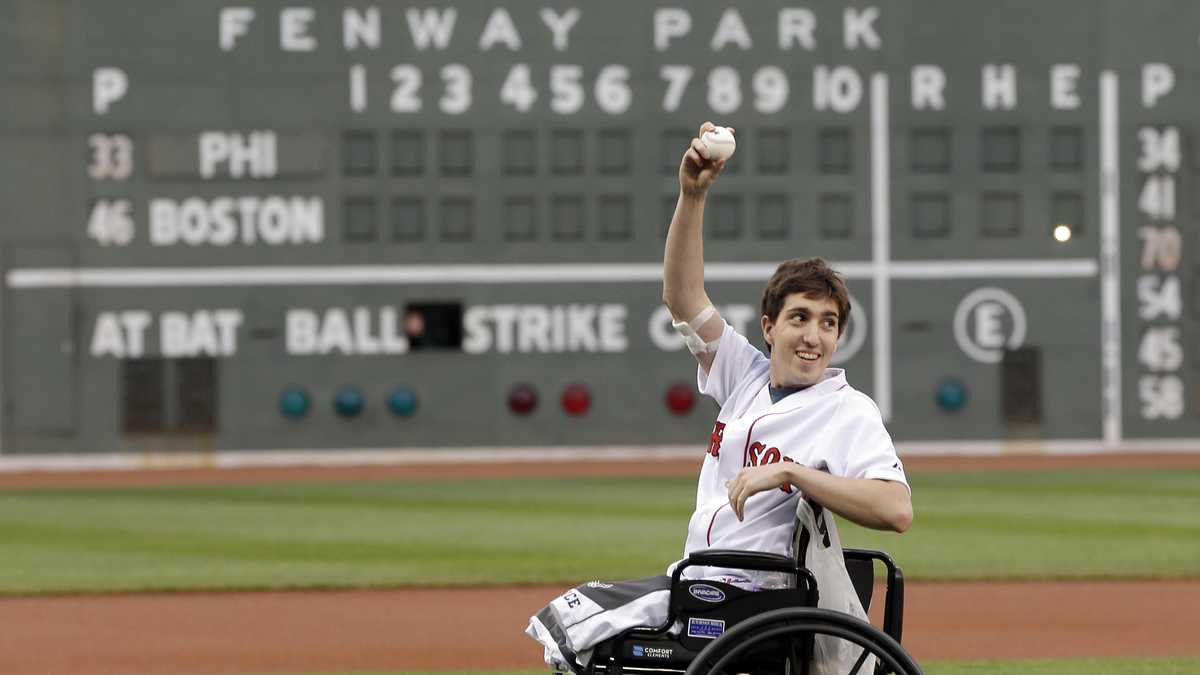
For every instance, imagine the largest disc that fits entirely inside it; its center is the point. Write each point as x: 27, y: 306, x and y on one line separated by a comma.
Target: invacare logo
x: 706, y: 593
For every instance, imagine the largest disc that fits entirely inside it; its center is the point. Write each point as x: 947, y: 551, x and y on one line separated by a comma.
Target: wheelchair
x: 725, y: 629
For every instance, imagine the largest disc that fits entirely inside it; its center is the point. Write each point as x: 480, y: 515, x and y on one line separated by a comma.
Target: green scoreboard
x: 284, y: 225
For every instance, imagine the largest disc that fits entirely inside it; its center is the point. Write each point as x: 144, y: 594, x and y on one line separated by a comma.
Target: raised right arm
x: 683, y: 259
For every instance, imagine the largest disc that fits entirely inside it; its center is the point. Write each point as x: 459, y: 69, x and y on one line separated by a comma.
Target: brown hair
x: 811, y: 277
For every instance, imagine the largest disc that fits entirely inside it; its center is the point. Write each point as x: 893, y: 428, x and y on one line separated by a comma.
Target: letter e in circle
x: 981, y: 321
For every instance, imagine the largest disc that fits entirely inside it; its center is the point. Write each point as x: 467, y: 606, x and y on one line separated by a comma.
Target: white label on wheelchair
x: 652, y: 652
x: 705, y: 628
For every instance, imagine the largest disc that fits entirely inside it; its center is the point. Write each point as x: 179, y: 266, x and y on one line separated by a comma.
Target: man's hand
x: 697, y: 172
x: 753, y: 480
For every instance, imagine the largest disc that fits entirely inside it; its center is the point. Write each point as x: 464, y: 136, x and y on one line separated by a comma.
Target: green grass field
x: 994, y: 525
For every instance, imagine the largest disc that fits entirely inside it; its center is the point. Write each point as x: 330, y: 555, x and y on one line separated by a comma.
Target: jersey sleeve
x: 736, y: 359
x: 862, y: 446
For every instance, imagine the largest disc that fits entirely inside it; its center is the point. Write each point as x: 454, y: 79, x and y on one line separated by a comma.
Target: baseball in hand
x: 719, y: 142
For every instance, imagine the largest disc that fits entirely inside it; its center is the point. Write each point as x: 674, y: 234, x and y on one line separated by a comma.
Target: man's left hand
x: 755, y: 479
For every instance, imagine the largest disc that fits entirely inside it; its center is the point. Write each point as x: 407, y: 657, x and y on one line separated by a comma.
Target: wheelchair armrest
x: 749, y: 560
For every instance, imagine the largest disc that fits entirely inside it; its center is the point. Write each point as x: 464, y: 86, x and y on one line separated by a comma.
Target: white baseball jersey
x: 828, y: 426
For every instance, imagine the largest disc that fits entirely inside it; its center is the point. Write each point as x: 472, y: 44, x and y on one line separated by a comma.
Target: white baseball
x: 720, y: 143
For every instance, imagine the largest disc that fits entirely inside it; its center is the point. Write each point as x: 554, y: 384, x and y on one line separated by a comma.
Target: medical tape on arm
x: 691, y: 335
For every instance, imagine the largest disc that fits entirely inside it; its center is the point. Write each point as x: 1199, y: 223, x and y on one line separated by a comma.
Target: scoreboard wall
x: 261, y: 225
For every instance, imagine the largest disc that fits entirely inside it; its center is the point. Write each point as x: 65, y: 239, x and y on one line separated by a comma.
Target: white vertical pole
x: 1110, y: 258
x: 3, y: 347
x: 881, y: 243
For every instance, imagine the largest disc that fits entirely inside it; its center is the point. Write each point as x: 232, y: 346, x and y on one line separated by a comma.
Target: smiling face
x: 803, y: 338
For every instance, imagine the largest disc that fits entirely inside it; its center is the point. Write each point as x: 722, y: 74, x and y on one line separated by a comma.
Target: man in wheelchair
x: 792, y: 439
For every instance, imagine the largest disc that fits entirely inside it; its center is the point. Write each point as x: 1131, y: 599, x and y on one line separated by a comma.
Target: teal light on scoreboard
x: 294, y: 402
x: 951, y: 395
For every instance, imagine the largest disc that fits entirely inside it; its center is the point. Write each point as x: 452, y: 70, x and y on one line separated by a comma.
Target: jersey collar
x: 834, y: 379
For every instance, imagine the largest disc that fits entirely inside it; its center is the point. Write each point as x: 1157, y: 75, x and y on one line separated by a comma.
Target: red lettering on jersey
x: 714, y: 441
x: 760, y: 455
x: 754, y: 453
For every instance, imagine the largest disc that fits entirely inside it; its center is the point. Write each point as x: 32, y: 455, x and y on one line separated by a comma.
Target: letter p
x: 109, y: 85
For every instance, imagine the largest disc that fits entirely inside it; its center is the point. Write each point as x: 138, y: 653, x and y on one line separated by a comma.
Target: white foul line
x: 1110, y: 260
x: 881, y: 245
x: 374, y: 275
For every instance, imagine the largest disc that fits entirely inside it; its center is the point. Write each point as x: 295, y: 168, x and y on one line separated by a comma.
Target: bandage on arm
x: 691, y: 332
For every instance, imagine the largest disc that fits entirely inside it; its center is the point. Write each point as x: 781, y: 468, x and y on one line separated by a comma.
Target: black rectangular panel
x: 143, y: 406
x: 196, y: 395
x: 1020, y: 378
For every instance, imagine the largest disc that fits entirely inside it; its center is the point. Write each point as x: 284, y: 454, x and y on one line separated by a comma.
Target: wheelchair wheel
x: 790, y: 630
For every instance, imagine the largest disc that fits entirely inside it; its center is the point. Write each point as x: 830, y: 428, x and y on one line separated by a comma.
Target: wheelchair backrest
x: 862, y: 575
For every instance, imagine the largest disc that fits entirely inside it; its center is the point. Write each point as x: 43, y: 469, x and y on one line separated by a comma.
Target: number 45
x: 1161, y: 349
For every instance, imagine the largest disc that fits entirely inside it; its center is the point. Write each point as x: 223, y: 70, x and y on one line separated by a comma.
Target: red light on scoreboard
x: 680, y: 398
x: 522, y: 399
x: 576, y: 399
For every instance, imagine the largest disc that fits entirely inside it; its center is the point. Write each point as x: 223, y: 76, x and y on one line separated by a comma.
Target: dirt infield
x: 437, y: 629
x: 442, y: 629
